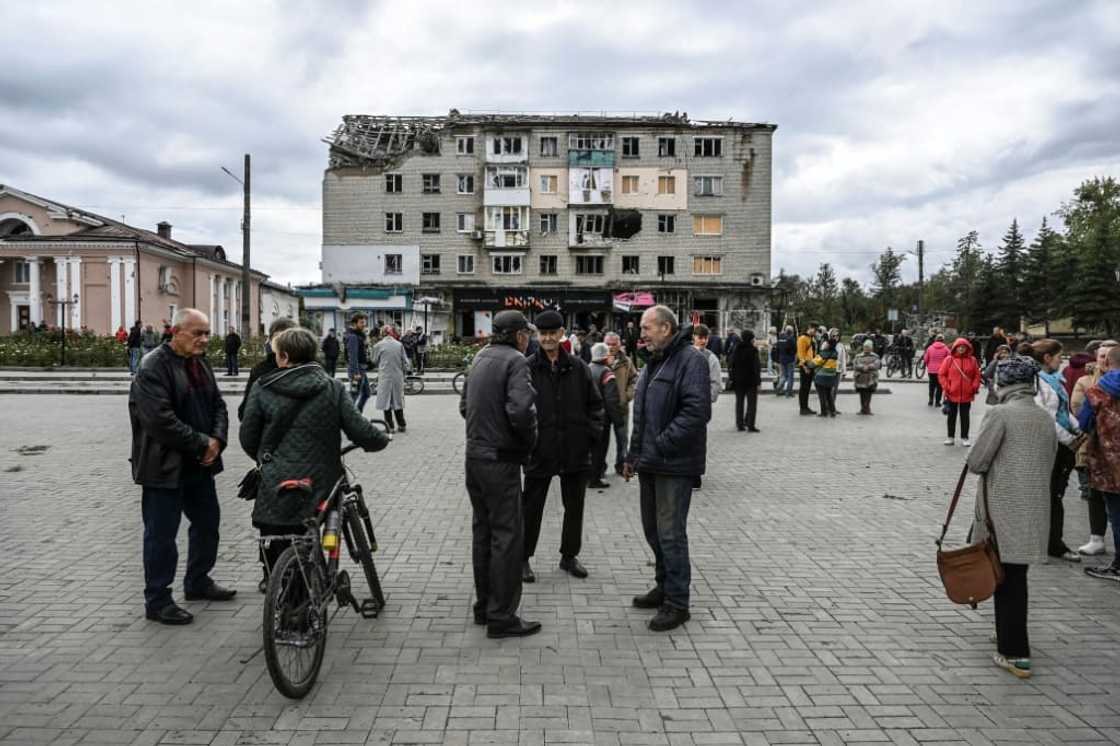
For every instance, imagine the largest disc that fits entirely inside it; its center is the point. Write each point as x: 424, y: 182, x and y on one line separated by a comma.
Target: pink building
x: 111, y: 274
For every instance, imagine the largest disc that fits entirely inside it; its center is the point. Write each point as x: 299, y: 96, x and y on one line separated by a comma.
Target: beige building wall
x: 647, y: 197
x: 542, y: 201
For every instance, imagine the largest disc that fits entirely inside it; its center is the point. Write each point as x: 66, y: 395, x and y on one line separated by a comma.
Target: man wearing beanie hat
x: 602, y: 372
x: 570, y: 422
x: 498, y: 405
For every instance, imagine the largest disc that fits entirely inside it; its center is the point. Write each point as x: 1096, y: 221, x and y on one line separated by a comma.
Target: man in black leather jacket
x: 498, y: 403
x: 179, y: 430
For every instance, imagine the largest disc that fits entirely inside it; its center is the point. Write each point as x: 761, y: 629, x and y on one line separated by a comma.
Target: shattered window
x: 666, y: 147
x: 666, y: 223
x: 430, y: 183
x: 591, y: 141
x: 548, y: 264
x: 465, y: 184
x: 709, y: 186
x: 394, y: 183
x: 430, y: 222
x: 630, y: 265
x: 592, y: 223
x: 629, y: 147
x: 464, y: 145
x: 665, y: 265
x: 708, y: 147
x: 507, y: 145
x: 505, y: 177
x: 587, y: 179
x: 394, y: 222
x: 506, y: 264
x: 589, y: 265
x: 550, y: 146
x: 394, y: 264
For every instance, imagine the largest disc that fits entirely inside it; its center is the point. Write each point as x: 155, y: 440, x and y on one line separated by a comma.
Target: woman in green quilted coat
x: 292, y: 428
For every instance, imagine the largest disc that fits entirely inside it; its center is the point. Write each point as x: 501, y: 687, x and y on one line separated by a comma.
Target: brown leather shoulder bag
x: 970, y: 574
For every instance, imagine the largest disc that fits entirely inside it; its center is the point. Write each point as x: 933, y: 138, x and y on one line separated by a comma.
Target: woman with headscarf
x: 865, y: 373
x: 1014, y: 454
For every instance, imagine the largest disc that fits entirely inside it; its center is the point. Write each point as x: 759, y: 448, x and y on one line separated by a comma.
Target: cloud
x: 897, y: 121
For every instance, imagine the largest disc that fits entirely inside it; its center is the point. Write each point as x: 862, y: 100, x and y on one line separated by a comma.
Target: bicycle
x: 461, y: 376
x: 306, y: 578
x: 412, y: 385
x: 920, y: 368
x: 892, y: 362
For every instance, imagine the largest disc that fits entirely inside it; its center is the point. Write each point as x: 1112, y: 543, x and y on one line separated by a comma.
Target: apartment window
x: 466, y: 264
x: 548, y: 184
x: 666, y: 223
x: 666, y: 184
x: 550, y: 146
x: 587, y: 180
x: 430, y: 222
x: 506, y: 218
x: 464, y: 145
x: 707, y: 225
x: 430, y: 183
x: 429, y: 264
x: 589, y: 265
x: 507, y: 145
x: 23, y: 272
x: 708, y: 186
x: 506, y: 264
x: 548, y: 264
x: 629, y: 147
x: 629, y: 184
x: 708, y: 147
x: 394, y: 264
x: 707, y: 265
x: 464, y: 222
x: 664, y: 265
x: 591, y: 141
x: 548, y: 222
x: 667, y: 147
x: 505, y: 177
x: 630, y: 265
x: 394, y: 183
x: 592, y: 223
x: 394, y: 222
x: 464, y: 184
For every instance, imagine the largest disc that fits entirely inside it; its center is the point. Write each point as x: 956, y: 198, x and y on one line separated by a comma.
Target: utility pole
x: 246, y: 295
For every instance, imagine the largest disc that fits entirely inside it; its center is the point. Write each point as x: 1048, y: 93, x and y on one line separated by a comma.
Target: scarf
x: 1055, y: 382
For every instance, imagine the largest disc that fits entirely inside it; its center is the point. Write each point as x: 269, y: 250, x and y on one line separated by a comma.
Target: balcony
x: 506, y: 239
x: 591, y: 158
x: 499, y: 197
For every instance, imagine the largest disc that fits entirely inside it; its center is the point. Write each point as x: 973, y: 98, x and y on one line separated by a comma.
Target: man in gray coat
x: 392, y: 364
x: 499, y: 405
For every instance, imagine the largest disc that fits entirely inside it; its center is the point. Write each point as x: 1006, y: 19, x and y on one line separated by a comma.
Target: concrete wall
x: 364, y: 264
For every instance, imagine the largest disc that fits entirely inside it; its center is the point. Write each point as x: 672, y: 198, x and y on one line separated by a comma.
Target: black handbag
x: 250, y: 484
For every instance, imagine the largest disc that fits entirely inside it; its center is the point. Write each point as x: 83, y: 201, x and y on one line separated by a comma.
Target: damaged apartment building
x: 453, y: 218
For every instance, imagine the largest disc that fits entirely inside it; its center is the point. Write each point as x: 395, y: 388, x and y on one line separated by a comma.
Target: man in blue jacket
x: 668, y: 450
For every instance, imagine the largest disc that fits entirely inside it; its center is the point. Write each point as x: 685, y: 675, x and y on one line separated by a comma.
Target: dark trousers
x: 599, y: 452
x: 1059, y: 479
x: 573, y: 488
x: 825, y: 396
x: 865, y: 400
x: 963, y: 409
x: 1098, y: 514
x: 621, y: 440
x: 272, y: 551
x: 665, y: 501
x: 1011, y: 613
x: 806, y: 386
x: 400, y: 418
x: 330, y: 365
x: 231, y: 364
x: 908, y: 365
x: 935, y: 389
x: 1112, y: 502
x: 750, y: 396
x: 162, y: 509
x: 360, y: 391
x: 497, y: 535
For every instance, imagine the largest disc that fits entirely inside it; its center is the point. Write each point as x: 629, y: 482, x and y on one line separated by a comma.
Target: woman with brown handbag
x: 1014, y: 454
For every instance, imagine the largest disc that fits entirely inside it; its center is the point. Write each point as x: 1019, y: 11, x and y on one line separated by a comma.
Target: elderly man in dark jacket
x: 668, y: 450
x: 570, y: 419
x: 498, y: 403
x: 179, y: 430
x: 746, y: 377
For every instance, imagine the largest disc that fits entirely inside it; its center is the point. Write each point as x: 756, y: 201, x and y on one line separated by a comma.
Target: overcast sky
x: 896, y: 121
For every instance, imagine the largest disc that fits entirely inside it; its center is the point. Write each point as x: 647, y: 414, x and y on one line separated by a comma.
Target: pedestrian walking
x: 934, y: 356
x: 1013, y: 455
x: 732, y: 344
x: 392, y: 366
x: 570, y: 420
x: 787, y: 359
x: 825, y: 377
x: 291, y: 427
x: 700, y: 339
x: 135, y: 344
x: 668, y: 449
x: 630, y: 340
x: 232, y: 347
x: 626, y: 378
x: 357, y: 360
x: 179, y: 430
x: 602, y: 373
x: 268, y: 364
x: 498, y: 404
x: 865, y: 375
x: 330, y: 352
x: 746, y: 377
x: 1098, y: 511
x: 959, y: 376
x: 1100, y: 416
x: 421, y: 350
x: 806, y: 351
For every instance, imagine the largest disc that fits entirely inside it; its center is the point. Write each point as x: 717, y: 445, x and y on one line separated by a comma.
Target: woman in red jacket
x: 959, y: 376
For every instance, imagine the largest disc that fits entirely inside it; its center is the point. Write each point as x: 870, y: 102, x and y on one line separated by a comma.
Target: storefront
x: 382, y: 305
x: 474, y: 308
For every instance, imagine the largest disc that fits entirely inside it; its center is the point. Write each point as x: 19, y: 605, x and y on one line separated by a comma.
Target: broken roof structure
x: 365, y: 140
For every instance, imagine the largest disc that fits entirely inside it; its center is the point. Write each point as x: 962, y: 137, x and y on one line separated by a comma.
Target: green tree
x: 854, y: 310
x: 887, y: 272
x: 964, y: 276
x: 1007, y: 301
x: 1041, y: 263
x: 1092, y: 238
x: 984, y: 309
x: 824, y: 292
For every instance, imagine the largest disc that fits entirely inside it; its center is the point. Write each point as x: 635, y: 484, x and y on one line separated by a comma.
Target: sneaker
x: 966, y: 443
x: 1093, y: 548
x: 950, y: 441
x: 1110, y: 572
x: 1020, y: 667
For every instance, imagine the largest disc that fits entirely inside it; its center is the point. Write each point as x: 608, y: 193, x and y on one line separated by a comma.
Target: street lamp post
x: 64, y: 304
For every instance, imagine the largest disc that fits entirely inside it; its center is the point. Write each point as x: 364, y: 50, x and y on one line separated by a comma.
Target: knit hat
x: 599, y: 351
x: 1015, y: 370
x: 549, y: 320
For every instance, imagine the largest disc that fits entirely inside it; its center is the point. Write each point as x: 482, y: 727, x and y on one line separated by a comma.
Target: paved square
x: 818, y: 616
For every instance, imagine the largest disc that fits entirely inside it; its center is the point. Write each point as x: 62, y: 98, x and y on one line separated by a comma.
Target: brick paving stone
x: 818, y: 616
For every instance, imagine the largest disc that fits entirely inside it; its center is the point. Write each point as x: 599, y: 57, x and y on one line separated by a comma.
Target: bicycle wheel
x: 362, y: 552
x: 920, y: 371
x: 295, y: 623
x: 457, y: 382
x: 892, y: 367
x: 413, y: 385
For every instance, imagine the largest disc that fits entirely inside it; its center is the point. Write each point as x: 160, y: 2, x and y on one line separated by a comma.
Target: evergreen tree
x: 964, y: 275
x: 825, y: 291
x: 1007, y: 303
x: 1040, y: 269
x: 888, y: 277
x: 853, y: 306
x: 984, y: 308
x: 1093, y: 240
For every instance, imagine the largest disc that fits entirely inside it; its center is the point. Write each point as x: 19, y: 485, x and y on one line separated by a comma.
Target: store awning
x: 627, y: 302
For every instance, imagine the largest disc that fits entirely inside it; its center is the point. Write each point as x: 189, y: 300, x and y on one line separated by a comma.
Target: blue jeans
x: 360, y: 391
x: 133, y: 359
x: 162, y: 509
x: 621, y: 440
x: 785, y: 379
x: 665, y: 500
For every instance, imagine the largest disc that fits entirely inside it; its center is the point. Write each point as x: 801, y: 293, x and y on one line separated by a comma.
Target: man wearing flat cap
x: 498, y: 403
x: 570, y: 421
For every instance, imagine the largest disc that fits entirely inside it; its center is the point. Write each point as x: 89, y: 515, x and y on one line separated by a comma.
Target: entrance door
x: 466, y: 324
x: 23, y: 317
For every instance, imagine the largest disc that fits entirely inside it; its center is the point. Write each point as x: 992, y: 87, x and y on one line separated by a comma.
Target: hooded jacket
x: 306, y: 412
x: 1100, y: 416
x: 1075, y: 370
x: 935, y: 354
x: 959, y: 375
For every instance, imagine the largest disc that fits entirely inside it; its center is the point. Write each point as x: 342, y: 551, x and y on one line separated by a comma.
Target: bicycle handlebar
x: 354, y: 446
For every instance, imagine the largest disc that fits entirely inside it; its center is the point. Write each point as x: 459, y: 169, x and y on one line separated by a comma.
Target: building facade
x: 60, y: 265
x: 594, y: 215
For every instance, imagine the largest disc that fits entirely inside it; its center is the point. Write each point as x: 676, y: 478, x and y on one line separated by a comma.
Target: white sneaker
x: 950, y: 441
x: 965, y: 442
x: 1093, y: 548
